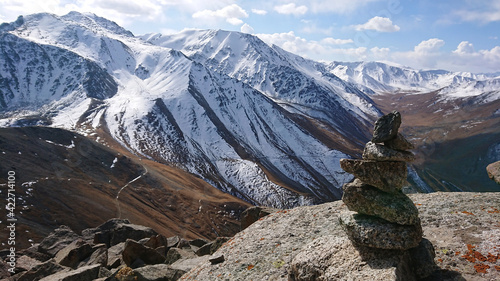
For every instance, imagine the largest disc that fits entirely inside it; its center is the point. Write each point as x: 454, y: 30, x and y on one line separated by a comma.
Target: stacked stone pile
x: 381, y: 215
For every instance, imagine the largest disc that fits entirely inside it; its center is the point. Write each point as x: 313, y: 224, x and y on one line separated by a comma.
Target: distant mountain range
x: 252, y: 120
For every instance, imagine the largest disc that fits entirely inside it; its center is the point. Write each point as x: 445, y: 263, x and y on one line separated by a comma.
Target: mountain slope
x: 167, y: 107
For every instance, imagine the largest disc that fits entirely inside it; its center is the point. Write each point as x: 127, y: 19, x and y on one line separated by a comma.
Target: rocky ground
x: 305, y: 243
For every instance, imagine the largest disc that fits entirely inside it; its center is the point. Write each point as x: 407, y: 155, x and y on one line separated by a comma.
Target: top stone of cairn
x: 386, y: 127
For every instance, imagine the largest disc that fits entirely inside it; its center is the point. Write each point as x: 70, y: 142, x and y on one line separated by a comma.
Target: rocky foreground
x: 305, y: 243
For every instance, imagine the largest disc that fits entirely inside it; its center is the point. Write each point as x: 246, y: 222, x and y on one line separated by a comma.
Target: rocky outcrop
x: 493, y: 170
x: 115, y: 250
x: 308, y: 243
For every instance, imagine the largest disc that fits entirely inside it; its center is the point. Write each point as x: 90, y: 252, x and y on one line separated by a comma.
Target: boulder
x: 40, y: 271
x: 74, y: 253
x: 393, y: 207
x: 380, y: 152
x: 337, y: 258
x: 115, y: 255
x: 386, y: 127
x: 422, y: 259
x: 99, y: 256
x: 134, y: 251
x: 25, y: 263
x: 253, y: 214
x: 399, y: 143
x: 374, y: 232
x: 173, y: 241
x: 156, y: 241
x: 85, y: 273
x: 198, y: 242
x: 116, y: 231
x: 175, y: 254
x: 158, y: 272
x: 57, y: 240
x: 387, y: 176
x: 493, y: 170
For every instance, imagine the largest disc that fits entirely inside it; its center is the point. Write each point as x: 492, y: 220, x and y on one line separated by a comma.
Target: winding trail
x: 117, y: 199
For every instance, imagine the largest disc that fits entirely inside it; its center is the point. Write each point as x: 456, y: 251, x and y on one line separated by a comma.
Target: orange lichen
x: 481, y: 268
x: 497, y: 267
x: 493, y: 258
x: 440, y: 260
x: 495, y: 211
x: 262, y: 238
x: 468, y: 213
x: 457, y: 253
x: 250, y: 266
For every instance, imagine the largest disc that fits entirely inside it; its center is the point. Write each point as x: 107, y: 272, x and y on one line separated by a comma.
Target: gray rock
x: 25, y: 263
x: 173, y: 241
x: 85, y: 273
x: 393, y: 207
x: 377, y: 233
x: 422, y: 259
x: 99, y: 256
x: 175, y: 254
x: 188, y: 264
x: 493, y: 170
x: 74, y: 253
x: 386, y: 176
x: 399, y: 143
x: 115, y: 255
x: 336, y: 258
x: 57, y: 240
x: 156, y: 241
x: 386, y: 127
x: 380, y: 152
x: 133, y: 251
x: 158, y: 272
x: 252, y: 214
x: 39, y: 271
x: 116, y: 231
x: 198, y: 242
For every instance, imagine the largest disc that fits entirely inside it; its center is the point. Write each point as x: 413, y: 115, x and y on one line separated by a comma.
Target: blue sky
x: 458, y: 35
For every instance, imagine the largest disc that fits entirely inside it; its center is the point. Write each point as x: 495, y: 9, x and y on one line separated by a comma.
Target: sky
x: 456, y: 35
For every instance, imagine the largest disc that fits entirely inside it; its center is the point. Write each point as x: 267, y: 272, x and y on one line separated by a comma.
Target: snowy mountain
x: 269, y: 143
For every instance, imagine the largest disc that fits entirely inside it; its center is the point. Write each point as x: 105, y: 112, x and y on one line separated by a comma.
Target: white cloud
x: 345, y: 6
x: 259, y: 12
x: 246, y: 28
x: 332, y: 41
x: 380, y: 24
x: 232, y: 14
x: 483, y: 11
x: 464, y: 48
x: 429, y: 46
x: 291, y: 9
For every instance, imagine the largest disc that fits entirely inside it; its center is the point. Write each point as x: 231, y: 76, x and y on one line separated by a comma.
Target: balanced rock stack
x: 381, y: 215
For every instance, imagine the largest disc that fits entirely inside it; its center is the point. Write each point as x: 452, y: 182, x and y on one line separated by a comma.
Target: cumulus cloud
x: 379, y: 24
x: 232, y: 14
x: 259, y: 12
x: 429, y: 46
x: 332, y: 41
x: 484, y: 11
x: 291, y: 9
x: 246, y: 28
x: 464, y: 48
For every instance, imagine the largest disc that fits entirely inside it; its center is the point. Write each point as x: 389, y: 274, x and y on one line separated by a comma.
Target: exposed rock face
x: 493, y: 170
x: 386, y: 176
x: 379, y: 152
x: 308, y: 243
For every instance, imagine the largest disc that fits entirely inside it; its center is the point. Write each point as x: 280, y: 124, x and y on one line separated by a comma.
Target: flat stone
x: 399, y: 143
x: 393, y: 207
x: 175, y: 254
x: 74, y: 253
x: 380, y: 152
x: 389, y: 176
x: 158, y: 272
x: 386, y: 127
x: 368, y: 231
x: 85, y: 273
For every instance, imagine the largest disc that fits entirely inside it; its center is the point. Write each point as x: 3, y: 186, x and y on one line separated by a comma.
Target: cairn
x: 381, y: 215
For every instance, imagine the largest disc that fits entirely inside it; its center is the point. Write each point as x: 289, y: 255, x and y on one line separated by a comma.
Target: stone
x: 40, y: 271
x: 116, y: 231
x: 198, y: 242
x: 74, y: 253
x: 217, y: 259
x: 115, y: 255
x: 156, y: 241
x: 99, y: 256
x: 175, y: 254
x: 493, y: 170
x: 380, y: 152
x: 369, y: 231
x: 422, y: 259
x: 134, y: 250
x: 85, y: 273
x: 337, y: 258
x: 25, y: 263
x: 399, y: 143
x: 173, y: 241
x: 57, y: 240
x: 387, y: 176
x: 365, y: 199
x: 158, y: 272
x: 253, y: 214
x: 33, y: 252
x: 188, y: 264
x: 386, y: 127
